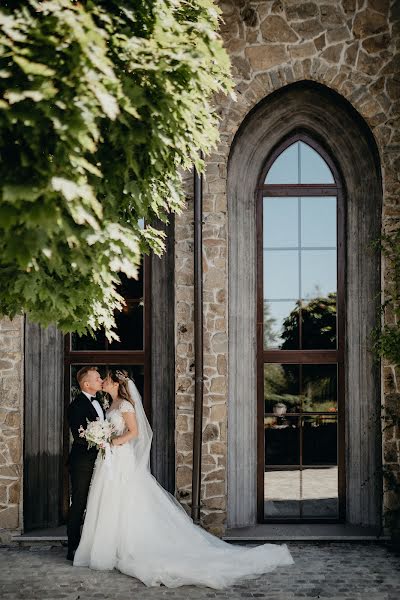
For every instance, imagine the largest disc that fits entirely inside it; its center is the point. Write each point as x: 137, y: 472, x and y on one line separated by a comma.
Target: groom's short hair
x: 81, y: 374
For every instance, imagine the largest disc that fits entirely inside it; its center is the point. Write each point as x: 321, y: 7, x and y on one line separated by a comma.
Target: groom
x: 85, y: 407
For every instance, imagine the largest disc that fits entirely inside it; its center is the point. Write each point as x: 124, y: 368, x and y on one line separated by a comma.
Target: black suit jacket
x: 80, y: 411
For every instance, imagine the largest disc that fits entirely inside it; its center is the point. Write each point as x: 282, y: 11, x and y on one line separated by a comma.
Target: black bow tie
x: 93, y: 398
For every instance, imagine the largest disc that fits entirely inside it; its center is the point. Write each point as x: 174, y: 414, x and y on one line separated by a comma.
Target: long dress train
x: 134, y: 525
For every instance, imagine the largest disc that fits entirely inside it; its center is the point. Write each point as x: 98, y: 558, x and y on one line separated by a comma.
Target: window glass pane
x: 132, y: 288
x: 281, y: 325
x: 319, y: 388
x: 320, y: 492
x: 318, y: 221
x: 282, y: 437
x: 282, y: 393
x: 318, y: 273
x: 87, y: 342
x: 281, y: 274
x: 318, y: 317
x: 282, y: 493
x: 313, y: 168
x: 129, y: 321
x: 281, y: 222
x: 130, y: 327
x: 285, y: 169
x: 320, y: 440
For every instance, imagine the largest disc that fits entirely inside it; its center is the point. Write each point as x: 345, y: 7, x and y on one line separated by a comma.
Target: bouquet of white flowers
x: 98, y: 433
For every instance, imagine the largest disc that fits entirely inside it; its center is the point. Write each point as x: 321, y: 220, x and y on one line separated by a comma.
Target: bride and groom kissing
x: 133, y: 524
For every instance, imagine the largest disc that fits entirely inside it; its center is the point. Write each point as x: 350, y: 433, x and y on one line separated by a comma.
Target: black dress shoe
x: 70, y: 555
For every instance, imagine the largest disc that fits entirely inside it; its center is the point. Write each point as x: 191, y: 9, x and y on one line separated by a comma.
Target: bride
x: 134, y: 525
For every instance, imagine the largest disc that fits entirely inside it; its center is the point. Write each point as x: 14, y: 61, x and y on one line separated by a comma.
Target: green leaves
x: 102, y: 104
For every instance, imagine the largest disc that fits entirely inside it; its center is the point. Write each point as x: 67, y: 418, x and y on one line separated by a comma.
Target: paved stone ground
x: 347, y: 571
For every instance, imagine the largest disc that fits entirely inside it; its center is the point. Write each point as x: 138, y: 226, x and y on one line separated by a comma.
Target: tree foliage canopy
x: 102, y: 103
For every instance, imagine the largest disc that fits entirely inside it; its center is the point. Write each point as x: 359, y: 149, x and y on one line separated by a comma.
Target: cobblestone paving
x: 329, y: 571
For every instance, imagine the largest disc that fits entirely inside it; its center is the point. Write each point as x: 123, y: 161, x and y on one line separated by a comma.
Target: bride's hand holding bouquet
x: 98, y: 434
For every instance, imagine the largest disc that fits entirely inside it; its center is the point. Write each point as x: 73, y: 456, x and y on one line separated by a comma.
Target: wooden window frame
x: 301, y: 356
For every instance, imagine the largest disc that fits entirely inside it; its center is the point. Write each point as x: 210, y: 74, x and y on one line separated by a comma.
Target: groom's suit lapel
x: 88, y: 406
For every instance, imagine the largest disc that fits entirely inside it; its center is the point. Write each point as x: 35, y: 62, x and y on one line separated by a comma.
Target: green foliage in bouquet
x: 102, y: 104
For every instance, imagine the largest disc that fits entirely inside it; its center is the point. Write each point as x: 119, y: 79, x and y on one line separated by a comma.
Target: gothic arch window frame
x: 313, y: 107
x: 301, y: 356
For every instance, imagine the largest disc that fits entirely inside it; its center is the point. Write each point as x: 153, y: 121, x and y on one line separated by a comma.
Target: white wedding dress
x: 134, y: 525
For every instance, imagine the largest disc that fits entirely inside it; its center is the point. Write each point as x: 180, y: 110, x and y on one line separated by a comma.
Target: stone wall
x: 352, y: 47
x: 11, y: 425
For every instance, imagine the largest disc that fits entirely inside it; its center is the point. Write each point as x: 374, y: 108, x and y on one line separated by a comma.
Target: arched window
x: 300, y: 353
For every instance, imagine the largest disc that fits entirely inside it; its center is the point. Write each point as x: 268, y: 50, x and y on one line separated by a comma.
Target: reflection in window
x: 300, y: 424
x: 299, y: 253
x: 276, y: 264
x: 300, y: 272
x: 318, y: 221
x: 318, y: 273
x: 281, y: 222
x: 129, y: 321
x: 281, y: 320
x: 299, y: 163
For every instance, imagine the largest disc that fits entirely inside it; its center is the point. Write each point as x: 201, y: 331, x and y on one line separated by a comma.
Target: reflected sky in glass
x: 318, y: 221
x: 285, y: 169
x: 281, y: 217
x: 278, y: 311
x: 281, y: 274
x: 318, y: 273
x: 299, y: 163
x: 313, y: 168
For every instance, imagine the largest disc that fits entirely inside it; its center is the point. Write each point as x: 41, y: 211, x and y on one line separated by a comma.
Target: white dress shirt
x: 96, y: 405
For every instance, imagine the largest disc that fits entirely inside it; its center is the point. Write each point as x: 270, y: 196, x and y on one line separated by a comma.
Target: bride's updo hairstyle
x: 121, y: 377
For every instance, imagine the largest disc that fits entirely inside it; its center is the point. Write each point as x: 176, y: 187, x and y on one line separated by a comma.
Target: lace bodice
x: 115, y: 416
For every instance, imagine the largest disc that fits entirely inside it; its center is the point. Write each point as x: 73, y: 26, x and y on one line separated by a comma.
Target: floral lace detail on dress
x: 115, y: 416
x: 126, y: 406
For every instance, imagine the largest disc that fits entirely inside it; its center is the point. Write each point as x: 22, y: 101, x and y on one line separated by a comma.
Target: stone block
x: 338, y: 35
x: 211, y: 432
x: 216, y: 475
x: 308, y: 29
x: 301, y: 10
x: 215, y: 503
x: 376, y: 43
x: 263, y: 57
x: 218, y: 448
x: 393, y: 87
x: 390, y: 454
x: 368, y: 64
x: 9, y: 517
x: 350, y: 54
x: 333, y: 53
x: 184, y: 441
x: 214, y: 519
x: 218, y: 413
x: 302, y: 50
x: 331, y: 15
x: 276, y: 29
x: 368, y: 22
x: 183, y: 477
x: 14, y: 492
x: 381, y: 6
x: 215, y: 488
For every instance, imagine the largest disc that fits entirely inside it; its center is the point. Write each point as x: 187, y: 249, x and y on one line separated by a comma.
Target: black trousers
x: 80, y: 470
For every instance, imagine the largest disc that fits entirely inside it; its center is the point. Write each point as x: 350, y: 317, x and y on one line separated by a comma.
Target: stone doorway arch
x: 331, y: 120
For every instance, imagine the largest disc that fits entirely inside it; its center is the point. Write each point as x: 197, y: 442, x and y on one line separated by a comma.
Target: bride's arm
x: 131, y: 425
